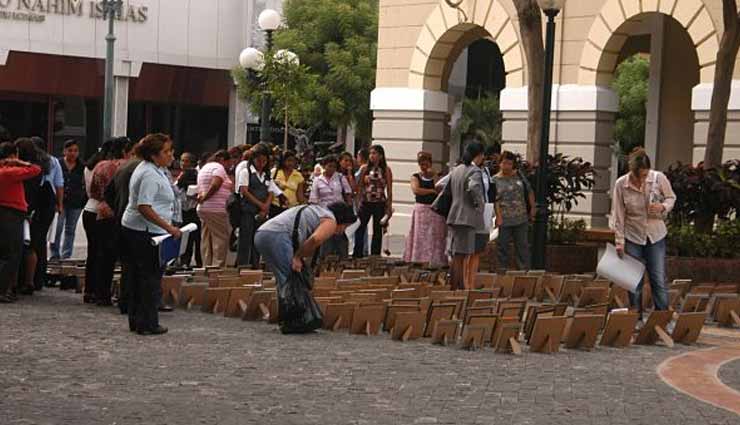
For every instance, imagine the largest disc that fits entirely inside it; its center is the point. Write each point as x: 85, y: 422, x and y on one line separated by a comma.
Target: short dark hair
x: 7, y: 149
x: 151, y: 145
x: 329, y: 158
x: 364, y: 153
x: 220, y: 155
x: 472, y: 150
x: 261, y: 149
x: 506, y: 156
x: 69, y: 143
x: 343, y: 213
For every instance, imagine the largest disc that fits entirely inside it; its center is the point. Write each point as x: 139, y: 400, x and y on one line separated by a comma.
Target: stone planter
x: 700, y: 270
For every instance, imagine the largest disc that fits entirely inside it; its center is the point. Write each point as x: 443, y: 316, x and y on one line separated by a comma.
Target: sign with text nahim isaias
x: 38, y: 10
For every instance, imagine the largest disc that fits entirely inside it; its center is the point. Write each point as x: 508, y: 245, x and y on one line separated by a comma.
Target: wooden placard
x: 618, y: 297
x: 571, y: 291
x: 171, y: 289
x: 192, y: 294
x: 445, y: 332
x: 408, y: 326
x: 258, y: 305
x: 655, y: 329
x: 472, y: 337
x: 584, y: 331
x: 727, y: 311
x: 393, y: 310
x: 235, y: 296
x: 688, y: 327
x: 486, y: 321
x: 546, y: 335
x: 591, y: 295
x: 511, y: 308
x: 506, y: 338
x: 695, y: 302
x: 485, y: 280
x: 551, y: 287
x: 338, y: 316
x: 524, y: 286
x: 619, y: 329
x: 367, y: 319
x: 438, y: 312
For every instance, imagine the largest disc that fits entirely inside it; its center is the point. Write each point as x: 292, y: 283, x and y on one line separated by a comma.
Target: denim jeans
x: 66, y: 223
x: 276, y: 249
x: 653, y: 256
x: 520, y: 234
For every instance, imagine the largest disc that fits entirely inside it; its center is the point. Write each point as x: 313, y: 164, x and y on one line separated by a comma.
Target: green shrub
x: 684, y: 240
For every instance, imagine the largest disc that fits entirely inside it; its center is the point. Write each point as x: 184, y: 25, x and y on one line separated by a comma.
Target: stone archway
x: 447, y: 31
x: 602, y: 46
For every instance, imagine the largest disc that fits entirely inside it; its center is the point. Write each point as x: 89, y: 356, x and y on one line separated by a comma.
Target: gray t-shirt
x: 310, y: 220
x: 510, y: 199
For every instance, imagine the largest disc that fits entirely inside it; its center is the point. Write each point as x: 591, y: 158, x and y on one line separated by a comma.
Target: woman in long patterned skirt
x: 428, y: 235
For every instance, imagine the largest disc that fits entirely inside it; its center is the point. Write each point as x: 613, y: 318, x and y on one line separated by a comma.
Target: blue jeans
x: 276, y: 249
x: 653, y: 256
x: 67, y: 222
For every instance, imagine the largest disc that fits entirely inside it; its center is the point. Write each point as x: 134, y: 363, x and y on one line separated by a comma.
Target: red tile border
x: 695, y: 374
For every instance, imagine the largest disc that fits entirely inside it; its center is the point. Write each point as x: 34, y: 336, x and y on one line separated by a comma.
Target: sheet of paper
x: 625, y: 272
x: 157, y: 240
x: 488, y: 212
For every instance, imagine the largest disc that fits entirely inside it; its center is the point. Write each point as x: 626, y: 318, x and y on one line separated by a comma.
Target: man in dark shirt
x: 75, y: 198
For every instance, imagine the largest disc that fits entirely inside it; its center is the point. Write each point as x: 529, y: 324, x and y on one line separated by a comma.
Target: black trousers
x: 89, y: 223
x: 11, y: 247
x: 247, y: 255
x: 376, y: 211
x: 193, y: 241
x: 107, y: 255
x: 43, y: 216
x: 145, y: 279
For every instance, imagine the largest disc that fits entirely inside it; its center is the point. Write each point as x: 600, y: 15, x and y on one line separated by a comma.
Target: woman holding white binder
x: 642, y: 200
x: 148, y: 214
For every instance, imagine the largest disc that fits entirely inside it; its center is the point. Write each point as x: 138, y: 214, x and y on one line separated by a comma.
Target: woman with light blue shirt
x: 149, y: 213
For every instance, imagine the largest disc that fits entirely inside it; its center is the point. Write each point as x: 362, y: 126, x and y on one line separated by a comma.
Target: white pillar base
x: 701, y: 101
x: 238, y: 111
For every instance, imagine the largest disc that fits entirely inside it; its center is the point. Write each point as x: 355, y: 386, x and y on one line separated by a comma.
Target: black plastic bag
x: 298, y: 311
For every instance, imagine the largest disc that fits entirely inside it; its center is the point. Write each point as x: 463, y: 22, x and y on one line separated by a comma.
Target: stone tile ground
x: 729, y: 374
x: 65, y: 363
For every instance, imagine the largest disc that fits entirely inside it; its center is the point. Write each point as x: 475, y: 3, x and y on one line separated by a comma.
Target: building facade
x: 420, y: 41
x: 172, y: 69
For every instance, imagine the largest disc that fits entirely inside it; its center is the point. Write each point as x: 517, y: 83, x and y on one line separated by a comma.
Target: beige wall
x: 420, y: 39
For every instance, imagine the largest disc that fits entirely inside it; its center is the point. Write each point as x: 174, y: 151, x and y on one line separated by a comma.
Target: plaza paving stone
x: 729, y: 374
x: 62, y: 362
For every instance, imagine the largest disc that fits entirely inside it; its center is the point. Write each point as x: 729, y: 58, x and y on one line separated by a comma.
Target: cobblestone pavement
x: 729, y: 374
x: 65, y: 363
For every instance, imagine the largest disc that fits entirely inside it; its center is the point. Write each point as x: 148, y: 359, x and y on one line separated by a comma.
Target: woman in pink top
x: 214, y: 189
x: 642, y: 200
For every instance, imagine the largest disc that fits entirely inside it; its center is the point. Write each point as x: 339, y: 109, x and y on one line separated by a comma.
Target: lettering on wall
x: 38, y: 10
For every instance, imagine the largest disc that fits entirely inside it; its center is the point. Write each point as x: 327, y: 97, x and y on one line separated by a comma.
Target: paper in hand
x: 625, y: 272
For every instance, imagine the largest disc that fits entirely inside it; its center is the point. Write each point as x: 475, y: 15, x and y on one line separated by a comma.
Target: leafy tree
x: 530, y: 30
x: 729, y: 45
x: 287, y: 82
x: 481, y: 119
x: 337, y: 40
x: 631, y: 84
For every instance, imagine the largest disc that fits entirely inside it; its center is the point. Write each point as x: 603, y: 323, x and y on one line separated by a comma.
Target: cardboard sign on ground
x: 523, y: 286
x: 192, y: 294
x: 258, y: 305
x: 472, y: 337
x: 546, y: 335
x: 619, y: 329
x: 367, y: 319
x: 584, y: 331
x: 486, y: 321
x: 506, y: 338
x: 445, y: 332
x: 591, y: 295
x: 727, y: 311
x: 688, y: 327
x: 408, y: 326
x: 338, y: 316
x: 695, y: 302
x: 655, y: 329
x: 438, y: 312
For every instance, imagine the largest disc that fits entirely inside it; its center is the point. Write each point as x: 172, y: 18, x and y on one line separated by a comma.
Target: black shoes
x: 165, y: 309
x: 159, y: 330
